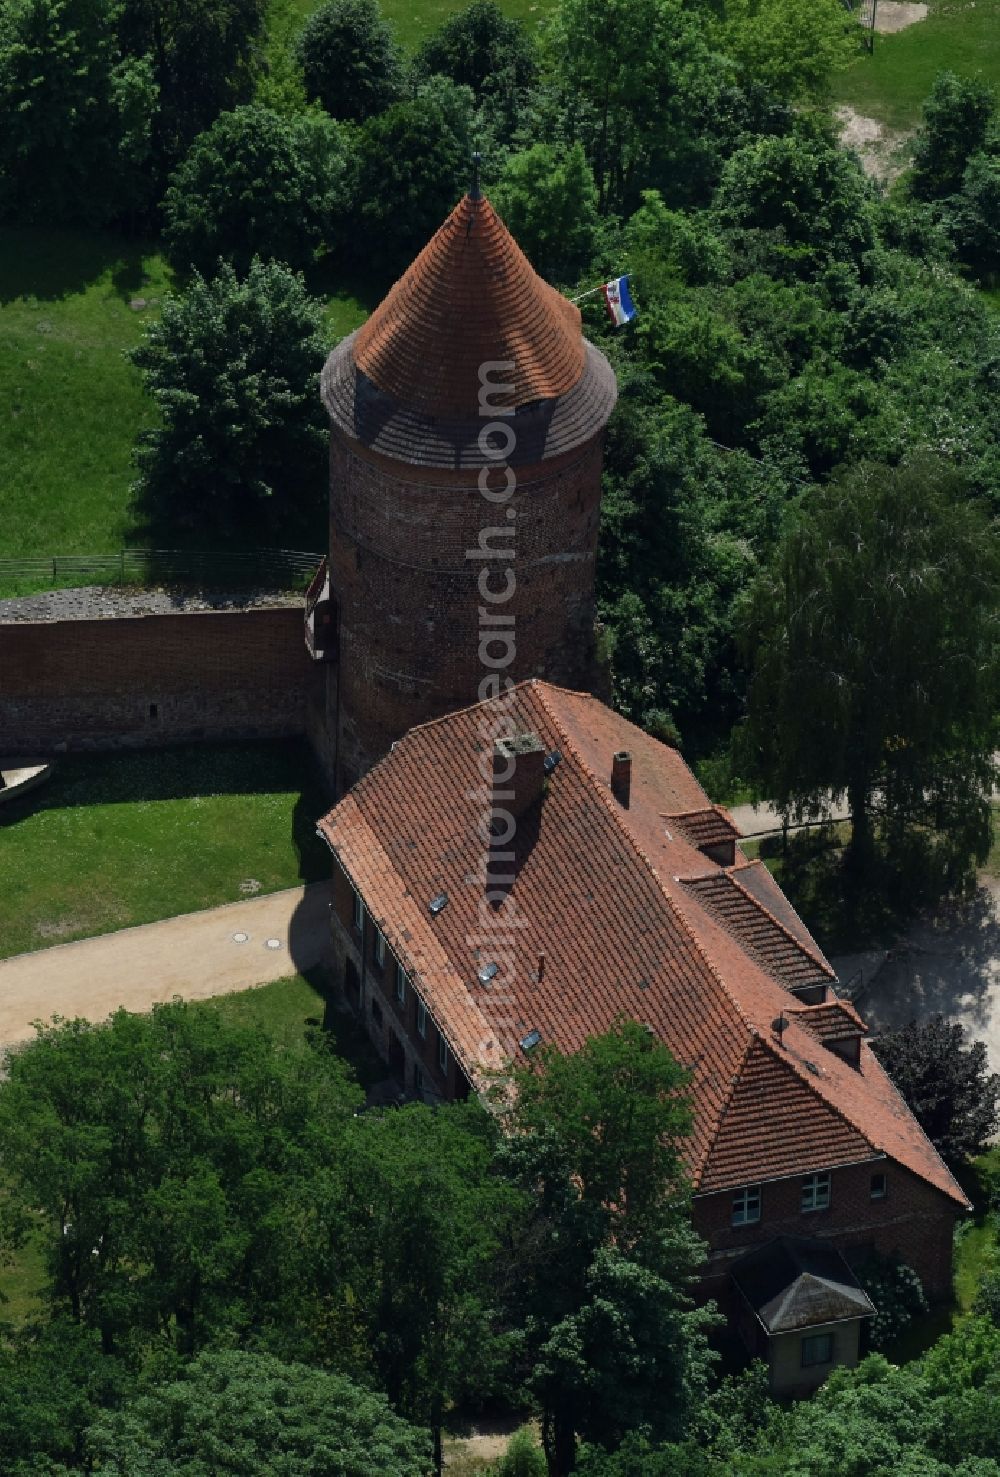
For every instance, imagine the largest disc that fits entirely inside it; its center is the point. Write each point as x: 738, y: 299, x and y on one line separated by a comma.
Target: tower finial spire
x: 475, y: 192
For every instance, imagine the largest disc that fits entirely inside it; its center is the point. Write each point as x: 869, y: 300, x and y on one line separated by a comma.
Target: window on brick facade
x: 442, y: 1053
x: 816, y: 1192
x: 817, y: 1348
x: 376, y: 1012
x: 418, y: 1077
x: 378, y: 948
x: 421, y: 1018
x: 879, y: 1187
x: 746, y: 1206
x: 400, y: 983
x: 357, y: 911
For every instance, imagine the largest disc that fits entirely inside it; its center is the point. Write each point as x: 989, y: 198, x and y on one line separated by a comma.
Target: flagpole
x: 590, y: 293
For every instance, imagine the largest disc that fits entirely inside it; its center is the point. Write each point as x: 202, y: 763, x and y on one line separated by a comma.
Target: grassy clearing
x: 414, y: 20
x: 70, y: 404
x: 116, y: 840
x: 962, y: 36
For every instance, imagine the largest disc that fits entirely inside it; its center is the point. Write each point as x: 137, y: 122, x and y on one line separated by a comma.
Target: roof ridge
x: 817, y: 959
x: 611, y: 806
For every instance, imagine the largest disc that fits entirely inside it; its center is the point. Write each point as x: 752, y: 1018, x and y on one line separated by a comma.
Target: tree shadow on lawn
x: 187, y: 771
x: 51, y: 264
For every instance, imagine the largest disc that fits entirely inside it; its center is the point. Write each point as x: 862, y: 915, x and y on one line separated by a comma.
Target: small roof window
x: 438, y: 904
x: 529, y: 1042
x: 487, y: 973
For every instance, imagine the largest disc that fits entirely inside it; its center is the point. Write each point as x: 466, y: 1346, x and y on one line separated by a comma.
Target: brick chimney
x: 621, y: 777
x: 518, y: 776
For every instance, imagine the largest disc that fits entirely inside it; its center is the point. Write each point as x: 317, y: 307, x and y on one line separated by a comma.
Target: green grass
x: 414, y: 20
x: 891, y: 84
x: 70, y: 405
x: 116, y: 840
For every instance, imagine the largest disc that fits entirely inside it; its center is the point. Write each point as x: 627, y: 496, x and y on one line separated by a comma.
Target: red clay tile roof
x: 781, y: 952
x: 600, y: 924
x: 711, y: 827
x: 469, y: 297
x: 835, y: 1020
x: 407, y: 383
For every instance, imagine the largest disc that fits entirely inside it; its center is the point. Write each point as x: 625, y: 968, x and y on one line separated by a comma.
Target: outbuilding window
x: 817, y: 1348
x: 746, y: 1206
x: 816, y: 1192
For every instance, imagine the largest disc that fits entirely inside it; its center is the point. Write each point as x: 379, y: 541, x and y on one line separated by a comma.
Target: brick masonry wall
x: 914, y: 1221
x: 146, y: 680
x: 391, y: 1024
x: 407, y: 598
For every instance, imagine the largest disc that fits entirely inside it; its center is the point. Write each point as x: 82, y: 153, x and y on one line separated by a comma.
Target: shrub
x: 897, y: 1293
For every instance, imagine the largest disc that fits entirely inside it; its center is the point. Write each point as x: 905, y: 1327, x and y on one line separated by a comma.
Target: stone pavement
x: 195, y: 956
x: 764, y: 820
x: 948, y: 963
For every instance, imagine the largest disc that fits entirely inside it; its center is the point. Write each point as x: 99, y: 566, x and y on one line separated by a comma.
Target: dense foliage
x: 946, y: 1082
x: 192, y: 1188
x: 350, y: 61
x: 872, y: 636
x: 256, y: 184
x: 241, y: 450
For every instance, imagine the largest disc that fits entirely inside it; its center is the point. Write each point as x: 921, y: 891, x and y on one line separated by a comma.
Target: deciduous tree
x: 258, y: 184
x: 233, y: 367
x: 872, y: 637
x: 946, y: 1083
x: 350, y: 61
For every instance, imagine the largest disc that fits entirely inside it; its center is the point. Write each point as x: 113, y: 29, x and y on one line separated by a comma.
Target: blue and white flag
x: 618, y: 300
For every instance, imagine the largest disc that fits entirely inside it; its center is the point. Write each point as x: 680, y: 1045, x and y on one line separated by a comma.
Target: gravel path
x: 97, y: 602
x: 195, y: 956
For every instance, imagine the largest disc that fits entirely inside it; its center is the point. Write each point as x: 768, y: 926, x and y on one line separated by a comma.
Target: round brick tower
x: 467, y: 422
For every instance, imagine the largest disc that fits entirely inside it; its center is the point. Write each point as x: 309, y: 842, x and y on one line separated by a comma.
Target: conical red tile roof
x: 470, y: 296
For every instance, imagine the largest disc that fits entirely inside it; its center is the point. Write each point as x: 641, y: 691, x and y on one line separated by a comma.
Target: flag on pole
x: 618, y: 300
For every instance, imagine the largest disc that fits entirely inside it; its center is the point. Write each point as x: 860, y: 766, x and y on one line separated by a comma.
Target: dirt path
x: 881, y: 150
x: 764, y: 820
x: 195, y: 956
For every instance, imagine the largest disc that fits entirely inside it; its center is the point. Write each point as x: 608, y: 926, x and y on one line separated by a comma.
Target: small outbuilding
x: 801, y: 1309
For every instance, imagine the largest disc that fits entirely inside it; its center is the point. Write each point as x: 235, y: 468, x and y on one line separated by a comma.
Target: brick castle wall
x: 407, y: 595
x: 133, y: 681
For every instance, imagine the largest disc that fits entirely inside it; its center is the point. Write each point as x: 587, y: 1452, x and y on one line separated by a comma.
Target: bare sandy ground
x: 194, y: 956
x: 896, y: 15
x: 882, y: 150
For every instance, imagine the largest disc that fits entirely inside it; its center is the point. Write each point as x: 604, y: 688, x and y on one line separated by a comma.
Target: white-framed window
x: 400, y: 983
x: 879, y: 1187
x: 816, y: 1193
x: 357, y: 910
x: 746, y: 1206
x: 421, y: 1018
x: 443, y: 1055
x: 378, y: 948
x: 817, y: 1348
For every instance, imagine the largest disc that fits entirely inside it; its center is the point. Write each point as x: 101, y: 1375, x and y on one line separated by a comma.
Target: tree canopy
x: 233, y: 366
x: 946, y: 1083
x: 257, y: 184
x: 873, y: 641
x: 350, y: 61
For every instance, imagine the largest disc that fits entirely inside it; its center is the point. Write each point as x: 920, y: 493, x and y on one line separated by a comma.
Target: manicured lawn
x: 70, y: 405
x: 892, y: 83
x: 116, y: 840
